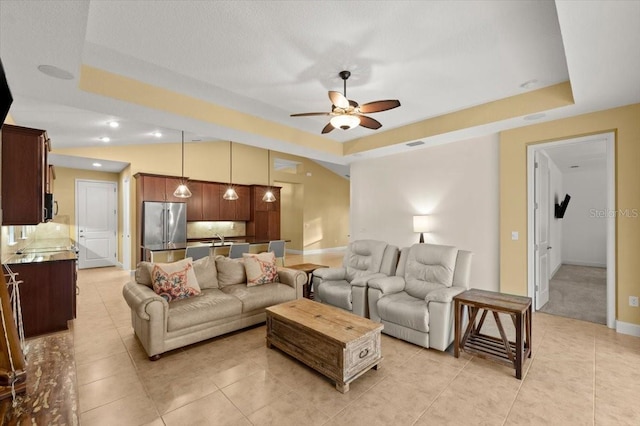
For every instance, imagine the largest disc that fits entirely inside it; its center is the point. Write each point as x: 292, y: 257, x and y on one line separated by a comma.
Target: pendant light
x: 182, y: 191
x: 268, y: 196
x: 230, y: 193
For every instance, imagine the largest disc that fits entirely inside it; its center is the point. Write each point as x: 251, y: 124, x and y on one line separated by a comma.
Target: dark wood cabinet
x: 265, y: 217
x: 195, y: 202
x: 239, y: 209
x: 47, y: 295
x: 24, y: 175
x: 211, y: 201
x: 151, y: 187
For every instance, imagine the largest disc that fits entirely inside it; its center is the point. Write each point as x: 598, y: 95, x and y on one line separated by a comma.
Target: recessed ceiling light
x: 105, y: 139
x: 537, y: 116
x: 97, y: 165
x: 55, y: 72
x: 157, y: 134
x: 529, y: 84
x: 114, y: 124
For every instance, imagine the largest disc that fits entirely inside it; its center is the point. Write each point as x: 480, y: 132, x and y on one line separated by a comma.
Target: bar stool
x: 237, y: 249
x: 197, y: 252
x: 277, y: 247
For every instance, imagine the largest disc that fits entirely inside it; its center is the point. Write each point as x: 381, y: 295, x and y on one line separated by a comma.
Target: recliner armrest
x: 139, y: 296
x: 443, y: 295
x: 363, y: 280
x: 388, y: 285
x: 330, y: 274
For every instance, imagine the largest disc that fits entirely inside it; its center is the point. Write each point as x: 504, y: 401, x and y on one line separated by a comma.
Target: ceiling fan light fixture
x: 345, y: 121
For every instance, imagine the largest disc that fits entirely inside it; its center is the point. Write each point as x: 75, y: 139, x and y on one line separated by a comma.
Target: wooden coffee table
x: 340, y: 345
x: 497, y: 349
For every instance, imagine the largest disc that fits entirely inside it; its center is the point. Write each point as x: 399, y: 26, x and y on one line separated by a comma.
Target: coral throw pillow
x: 261, y: 268
x: 172, y: 285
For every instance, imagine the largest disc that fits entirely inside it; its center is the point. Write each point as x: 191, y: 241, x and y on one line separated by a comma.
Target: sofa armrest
x: 293, y: 278
x: 444, y: 295
x: 388, y: 285
x: 139, y: 297
x: 330, y: 274
x: 363, y: 280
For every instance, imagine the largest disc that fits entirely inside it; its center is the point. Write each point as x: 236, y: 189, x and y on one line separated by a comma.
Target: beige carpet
x: 578, y: 292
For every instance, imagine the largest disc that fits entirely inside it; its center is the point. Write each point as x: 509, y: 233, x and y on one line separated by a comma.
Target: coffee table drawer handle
x: 363, y: 353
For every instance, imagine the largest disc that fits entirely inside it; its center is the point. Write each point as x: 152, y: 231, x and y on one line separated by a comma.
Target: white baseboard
x: 318, y: 251
x: 579, y: 263
x: 628, y: 328
x: 556, y: 270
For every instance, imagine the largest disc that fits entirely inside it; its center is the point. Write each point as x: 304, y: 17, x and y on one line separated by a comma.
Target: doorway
x: 96, y: 223
x: 575, y: 281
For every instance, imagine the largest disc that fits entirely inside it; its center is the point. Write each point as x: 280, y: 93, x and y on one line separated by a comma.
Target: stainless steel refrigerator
x: 164, y: 223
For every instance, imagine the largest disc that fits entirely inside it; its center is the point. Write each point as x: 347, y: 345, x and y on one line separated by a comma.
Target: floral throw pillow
x: 261, y: 268
x: 172, y: 285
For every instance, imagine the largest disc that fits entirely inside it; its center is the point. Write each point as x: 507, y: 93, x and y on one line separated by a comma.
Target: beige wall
x: 324, y: 195
x: 625, y: 122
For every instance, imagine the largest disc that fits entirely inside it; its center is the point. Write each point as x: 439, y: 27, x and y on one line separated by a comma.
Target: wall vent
x: 416, y: 143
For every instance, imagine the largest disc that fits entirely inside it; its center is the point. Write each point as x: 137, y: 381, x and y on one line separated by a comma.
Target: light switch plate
x: 514, y: 235
x: 633, y: 301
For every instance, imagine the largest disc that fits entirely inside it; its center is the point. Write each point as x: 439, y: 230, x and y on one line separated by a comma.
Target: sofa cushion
x: 230, y: 271
x: 336, y: 293
x: 212, y: 305
x: 262, y: 296
x: 260, y: 268
x: 143, y: 270
x: 403, y: 309
x: 173, y: 284
x: 206, y: 272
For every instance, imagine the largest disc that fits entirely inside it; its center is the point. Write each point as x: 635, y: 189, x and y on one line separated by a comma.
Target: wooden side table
x: 490, y: 347
x: 308, y: 269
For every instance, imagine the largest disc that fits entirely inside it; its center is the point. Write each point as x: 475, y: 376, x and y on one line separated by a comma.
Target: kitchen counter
x: 47, y: 250
x: 207, y: 241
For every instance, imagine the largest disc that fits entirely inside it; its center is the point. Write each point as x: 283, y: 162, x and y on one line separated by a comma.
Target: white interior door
x: 96, y: 221
x: 541, y: 217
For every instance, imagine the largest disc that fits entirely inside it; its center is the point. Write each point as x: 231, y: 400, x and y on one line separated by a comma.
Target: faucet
x: 221, y: 238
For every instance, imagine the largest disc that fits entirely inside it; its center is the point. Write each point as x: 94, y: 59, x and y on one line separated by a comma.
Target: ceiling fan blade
x: 353, y: 103
x: 327, y: 128
x: 308, y: 114
x: 379, y: 106
x: 339, y: 100
x: 369, y: 122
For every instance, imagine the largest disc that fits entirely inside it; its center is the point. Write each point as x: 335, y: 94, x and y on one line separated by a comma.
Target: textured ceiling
x: 270, y: 59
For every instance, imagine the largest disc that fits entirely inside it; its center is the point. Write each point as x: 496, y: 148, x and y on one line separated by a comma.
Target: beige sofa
x: 225, y: 304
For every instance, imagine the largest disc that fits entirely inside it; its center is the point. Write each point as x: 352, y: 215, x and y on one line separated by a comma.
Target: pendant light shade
x: 230, y: 194
x: 268, y: 196
x: 182, y: 191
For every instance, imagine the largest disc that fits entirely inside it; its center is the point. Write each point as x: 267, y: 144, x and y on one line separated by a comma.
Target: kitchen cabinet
x: 24, y: 175
x: 239, y: 209
x: 194, y: 203
x: 265, y: 217
x: 157, y: 188
x: 211, y: 199
x: 51, y: 177
x: 47, y: 295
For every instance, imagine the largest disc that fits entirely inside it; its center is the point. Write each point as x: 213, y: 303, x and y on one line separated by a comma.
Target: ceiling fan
x: 347, y: 114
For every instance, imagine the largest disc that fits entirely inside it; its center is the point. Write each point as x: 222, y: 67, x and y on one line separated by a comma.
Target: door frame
x: 126, y: 224
x: 610, y: 218
x: 77, y: 233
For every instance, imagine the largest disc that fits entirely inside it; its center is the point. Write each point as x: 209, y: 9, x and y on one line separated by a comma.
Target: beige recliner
x: 346, y: 287
x: 416, y: 305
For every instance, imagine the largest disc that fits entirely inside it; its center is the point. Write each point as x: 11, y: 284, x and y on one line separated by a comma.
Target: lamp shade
x: 182, y: 191
x: 421, y: 224
x: 230, y: 194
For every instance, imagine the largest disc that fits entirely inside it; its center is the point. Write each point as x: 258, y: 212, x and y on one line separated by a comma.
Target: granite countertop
x: 47, y: 250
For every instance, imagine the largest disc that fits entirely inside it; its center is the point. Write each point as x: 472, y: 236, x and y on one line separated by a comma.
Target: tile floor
x: 581, y: 373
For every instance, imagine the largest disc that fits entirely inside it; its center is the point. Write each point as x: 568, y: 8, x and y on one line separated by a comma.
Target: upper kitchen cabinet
x: 157, y: 188
x: 211, y: 199
x: 24, y: 175
x: 239, y: 209
x: 194, y: 203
